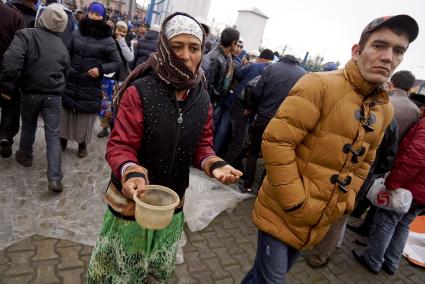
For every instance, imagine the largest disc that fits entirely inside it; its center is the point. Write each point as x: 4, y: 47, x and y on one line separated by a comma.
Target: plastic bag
x: 206, y: 198
x: 398, y: 200
x: 182, y: 243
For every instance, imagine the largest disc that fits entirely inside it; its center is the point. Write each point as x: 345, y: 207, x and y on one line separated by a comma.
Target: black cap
x: 267, y: 54
x: 406, y: 22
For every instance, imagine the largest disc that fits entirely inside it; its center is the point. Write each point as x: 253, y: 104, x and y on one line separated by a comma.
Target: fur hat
x: 53, y: 18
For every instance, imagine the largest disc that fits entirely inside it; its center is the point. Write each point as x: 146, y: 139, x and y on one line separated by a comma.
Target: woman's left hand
x: 227, y: 174
x: 94, y: 72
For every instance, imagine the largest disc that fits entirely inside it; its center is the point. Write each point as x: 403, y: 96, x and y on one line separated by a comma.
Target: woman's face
x: 188, y: 49
x: 94, y: 16
x: 120, y: 31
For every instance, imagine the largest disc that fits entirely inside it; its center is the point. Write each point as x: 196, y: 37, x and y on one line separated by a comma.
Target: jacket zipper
x: 179, y: 125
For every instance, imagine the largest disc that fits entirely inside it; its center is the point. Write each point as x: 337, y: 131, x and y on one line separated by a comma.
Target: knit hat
x: 97, y: 8
x: 53, y: 18
x: 405, y: 22
x: 181, y: 24
x: 155, y: 28
x: 267, y: 54
x: 121, y: 24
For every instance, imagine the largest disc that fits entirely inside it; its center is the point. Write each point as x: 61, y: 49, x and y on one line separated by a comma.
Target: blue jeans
x: 50, y: 108
x: 273, y: 260
x: 388, y: 237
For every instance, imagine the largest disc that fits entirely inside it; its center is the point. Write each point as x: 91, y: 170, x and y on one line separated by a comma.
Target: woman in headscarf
x: 164, y: 123
x: 93, y: 52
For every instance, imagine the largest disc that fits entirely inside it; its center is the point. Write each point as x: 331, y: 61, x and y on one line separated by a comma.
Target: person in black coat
x: 145, y: 46
x: 39, y: 61
x: 93, y: 53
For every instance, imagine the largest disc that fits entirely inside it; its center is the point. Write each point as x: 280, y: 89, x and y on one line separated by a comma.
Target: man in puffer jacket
x: 319, y: 147
x: 39, y: 61
x: 391, y: 229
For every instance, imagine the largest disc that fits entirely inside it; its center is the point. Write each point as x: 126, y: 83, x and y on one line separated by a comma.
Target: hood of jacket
x: 53, y: 18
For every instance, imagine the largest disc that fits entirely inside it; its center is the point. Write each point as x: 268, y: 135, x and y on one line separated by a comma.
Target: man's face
x: 381, y: 55
x: 142, y: 31
x: 237, y: 48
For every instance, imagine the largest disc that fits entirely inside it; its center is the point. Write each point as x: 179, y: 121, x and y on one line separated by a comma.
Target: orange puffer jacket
x: 317, y: 151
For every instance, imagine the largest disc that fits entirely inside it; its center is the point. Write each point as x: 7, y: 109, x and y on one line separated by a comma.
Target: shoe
x: 103, y: 133
x: 82, y: 152
x: 316, y: 265
x: 360, y: 259
x: 20, y: 157
x: 64, y: 143
x: 387, y: 269
x: 244, y: 189
x: 6, y: 148
x: 55, y: 186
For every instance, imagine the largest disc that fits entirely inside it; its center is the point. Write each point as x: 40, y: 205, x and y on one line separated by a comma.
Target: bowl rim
x: 155, y: 207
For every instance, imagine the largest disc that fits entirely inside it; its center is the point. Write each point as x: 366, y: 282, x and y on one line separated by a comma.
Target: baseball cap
x: 406, y: 22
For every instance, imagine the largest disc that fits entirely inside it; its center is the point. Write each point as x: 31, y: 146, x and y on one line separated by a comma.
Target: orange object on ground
x: 414, y: 251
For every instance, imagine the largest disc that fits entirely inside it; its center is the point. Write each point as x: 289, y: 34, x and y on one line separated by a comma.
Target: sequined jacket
x: 152, y: 132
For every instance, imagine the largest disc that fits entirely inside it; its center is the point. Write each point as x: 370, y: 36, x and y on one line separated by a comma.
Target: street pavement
x: 36, y: 227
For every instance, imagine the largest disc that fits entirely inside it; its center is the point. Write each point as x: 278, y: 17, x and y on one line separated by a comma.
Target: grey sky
x: 327, y: 27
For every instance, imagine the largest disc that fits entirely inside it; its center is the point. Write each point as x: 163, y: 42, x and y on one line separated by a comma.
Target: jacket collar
x: 363, y: 87
x: 398, y: 93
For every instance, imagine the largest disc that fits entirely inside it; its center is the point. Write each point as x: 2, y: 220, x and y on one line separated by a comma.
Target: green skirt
x: 125, y: 252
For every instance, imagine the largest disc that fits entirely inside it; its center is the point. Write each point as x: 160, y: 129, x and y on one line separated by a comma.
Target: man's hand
x: 226, y: 174
x: 94, y: 72
x: 132, y: 185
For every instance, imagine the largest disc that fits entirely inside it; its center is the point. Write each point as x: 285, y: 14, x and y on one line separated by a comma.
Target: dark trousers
x: 9, y: 123
x: 50, y: 108
x: 256, y: 136
x: 239, y: 123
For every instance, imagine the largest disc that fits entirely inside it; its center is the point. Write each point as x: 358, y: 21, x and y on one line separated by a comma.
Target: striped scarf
x: 166, y: 65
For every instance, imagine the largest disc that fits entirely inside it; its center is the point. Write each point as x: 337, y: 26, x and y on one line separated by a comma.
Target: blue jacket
x: 243, y: 76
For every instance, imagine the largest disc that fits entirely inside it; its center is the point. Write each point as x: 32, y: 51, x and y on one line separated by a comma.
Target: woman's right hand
x: 132, y: 185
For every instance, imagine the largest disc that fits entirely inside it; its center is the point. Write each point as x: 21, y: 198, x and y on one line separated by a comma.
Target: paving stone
x: 87, y: 250
x: 3, y: 259
x: 45, y: 249
x: 69, y: 257
x: 224, y: 257
x: 236, y: 272
x: 215, y: 268
x: 203, y: 277
x: 73, y: 276
x: 213, y: 241
x: 203, y: 250
x: 18, y: 280
x: 20, y: 263
x: 182, y: 275
x: 225, y: 281
x: 194, y: 263
x: 24, y: 245
x: 65, y: 243
x: 45, y: 272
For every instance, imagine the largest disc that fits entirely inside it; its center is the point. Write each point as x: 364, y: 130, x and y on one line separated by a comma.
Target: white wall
x: 192, y: 7
x: 251, y: 28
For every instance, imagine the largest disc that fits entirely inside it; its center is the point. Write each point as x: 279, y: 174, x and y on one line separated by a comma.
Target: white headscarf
x: 183, y: 25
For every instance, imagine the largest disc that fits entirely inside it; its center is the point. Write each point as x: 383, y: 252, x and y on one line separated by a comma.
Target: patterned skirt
x: 127, y: 253
x: 77, y: 126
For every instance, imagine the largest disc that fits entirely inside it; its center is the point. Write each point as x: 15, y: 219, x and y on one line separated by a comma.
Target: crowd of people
x: 168, y: 98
